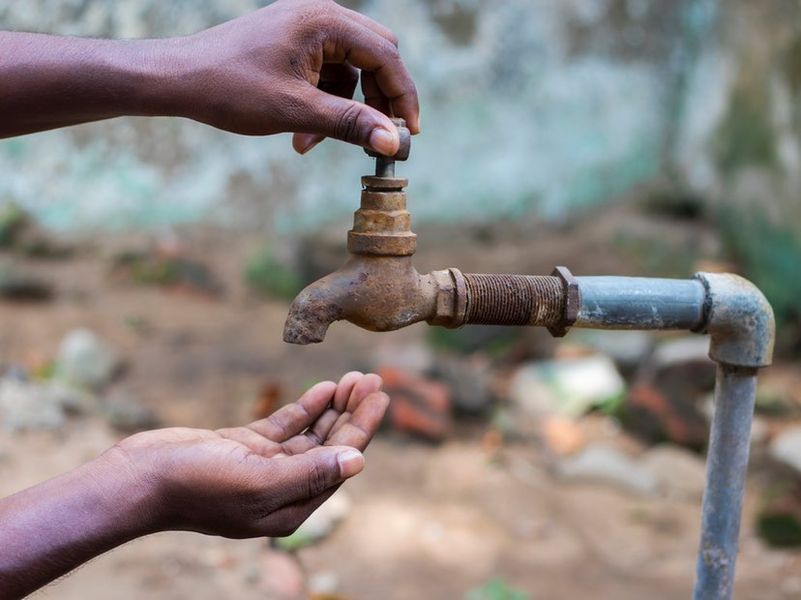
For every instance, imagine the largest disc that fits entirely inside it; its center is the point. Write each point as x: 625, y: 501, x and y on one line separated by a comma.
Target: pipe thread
x: 514, y: 299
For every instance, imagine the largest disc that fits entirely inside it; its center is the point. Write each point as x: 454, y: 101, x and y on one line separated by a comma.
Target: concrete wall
x: 528, y: 105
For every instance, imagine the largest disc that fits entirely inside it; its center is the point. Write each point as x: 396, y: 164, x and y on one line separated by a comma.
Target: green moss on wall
x: 745, y: 136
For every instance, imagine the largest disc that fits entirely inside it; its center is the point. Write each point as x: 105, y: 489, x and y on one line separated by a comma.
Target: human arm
x: 292, y: 66
x: 260, y: 480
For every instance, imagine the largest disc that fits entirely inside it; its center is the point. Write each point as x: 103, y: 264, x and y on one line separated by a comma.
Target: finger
x: 315, y: 436
x: 304, y: 142
x: 293, y: 418
x: 365, y: 386
x: 369, y: 51
x: 372, y: 93
x: 289, y: 518
x: 304, y: 476
x: 358, y: 429
x: 374, y: 26
x: 347, y: 120
x: 344, y: 389
x: 339, y: 79
x: 253, y: 441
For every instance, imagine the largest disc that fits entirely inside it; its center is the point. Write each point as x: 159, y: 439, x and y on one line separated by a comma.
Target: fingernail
x: 350, y: 462
x: 383, y: 141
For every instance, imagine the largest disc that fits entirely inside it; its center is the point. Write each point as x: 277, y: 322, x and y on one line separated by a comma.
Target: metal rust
x: 570, y: 288
x: 514, y: 300
x: 739, y: 321
x: 404, y: 148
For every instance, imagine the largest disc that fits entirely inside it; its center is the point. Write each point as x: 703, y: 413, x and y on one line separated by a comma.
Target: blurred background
x: 147, y: 266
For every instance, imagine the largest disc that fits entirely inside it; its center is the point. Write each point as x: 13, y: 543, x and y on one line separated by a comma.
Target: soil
x: 427, y: 521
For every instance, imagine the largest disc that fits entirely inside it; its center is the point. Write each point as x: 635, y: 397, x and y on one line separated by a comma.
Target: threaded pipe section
x: 514, y: 299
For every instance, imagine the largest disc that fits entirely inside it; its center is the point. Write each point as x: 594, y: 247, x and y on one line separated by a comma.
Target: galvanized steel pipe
x: 641, y: 303
x: 726, y: 466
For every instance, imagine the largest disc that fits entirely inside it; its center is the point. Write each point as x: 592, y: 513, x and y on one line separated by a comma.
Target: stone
x: 26, y: 405
x: 667, y: 400
x: 124, y: 412
x: 605, y: 464
x: 420, y: 407
x: 84, y: 360
x: 569, y: 387
x: 786, y: 448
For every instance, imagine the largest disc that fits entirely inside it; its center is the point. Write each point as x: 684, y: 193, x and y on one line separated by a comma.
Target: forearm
x: 51, y: 81
x: 50, y: 529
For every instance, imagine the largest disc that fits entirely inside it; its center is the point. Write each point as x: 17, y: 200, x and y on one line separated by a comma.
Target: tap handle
x: 405, y: 143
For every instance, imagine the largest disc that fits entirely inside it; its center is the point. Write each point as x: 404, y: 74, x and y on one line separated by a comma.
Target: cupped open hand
x: 263, y: 479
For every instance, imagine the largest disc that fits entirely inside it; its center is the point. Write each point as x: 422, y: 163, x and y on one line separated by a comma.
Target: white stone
x: 85, y: 360
x: 786, y: 447
x: 609, y: 465
x: 569, y: 387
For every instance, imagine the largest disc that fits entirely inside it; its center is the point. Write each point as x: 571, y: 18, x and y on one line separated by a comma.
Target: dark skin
x: 263, y: 479
x: 291, y: 67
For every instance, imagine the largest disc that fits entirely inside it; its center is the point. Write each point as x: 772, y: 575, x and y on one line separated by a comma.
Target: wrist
x: 127, y: 488
x: 157, y: 73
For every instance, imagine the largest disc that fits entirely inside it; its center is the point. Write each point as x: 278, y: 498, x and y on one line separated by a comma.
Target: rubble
x: 84, y: 360
x: 600, y: 463
x: 28, y: 405
x: 786, y: 448
x: 569, y: 387
x: 419, y: 406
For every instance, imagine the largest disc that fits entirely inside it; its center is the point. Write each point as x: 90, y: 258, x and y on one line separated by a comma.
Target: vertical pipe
x: 727, y: 460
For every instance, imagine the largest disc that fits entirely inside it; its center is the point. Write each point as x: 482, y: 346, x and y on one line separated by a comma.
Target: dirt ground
x: 427, y: 521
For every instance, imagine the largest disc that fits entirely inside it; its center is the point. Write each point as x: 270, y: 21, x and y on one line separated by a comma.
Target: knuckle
x: 317, y: 480
x: 347, y: 125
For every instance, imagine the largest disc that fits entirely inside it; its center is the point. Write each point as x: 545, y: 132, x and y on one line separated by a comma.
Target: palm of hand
x: 238, y: 482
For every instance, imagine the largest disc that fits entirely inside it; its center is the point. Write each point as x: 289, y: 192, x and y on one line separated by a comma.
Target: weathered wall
x: 541, y: 106
x: 527, y: 106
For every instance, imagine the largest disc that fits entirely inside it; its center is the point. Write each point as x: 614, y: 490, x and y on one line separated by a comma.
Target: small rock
x: 124, y: 412
x: 25, y: 405
x: 320, y: 524
x: 656, y: 414
x: 84, y: 360
x: 608, y: 465
x: 681, y: 474
x: 324, y: 583
x: 419, y: 406
x: 786, y: 448
x: 568, y: 387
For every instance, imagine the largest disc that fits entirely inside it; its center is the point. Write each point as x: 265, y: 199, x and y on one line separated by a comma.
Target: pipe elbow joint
x: 739, y: 321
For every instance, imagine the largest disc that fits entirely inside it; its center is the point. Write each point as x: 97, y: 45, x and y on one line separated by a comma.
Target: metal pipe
x: 641, y: 303
x: 727, y: 461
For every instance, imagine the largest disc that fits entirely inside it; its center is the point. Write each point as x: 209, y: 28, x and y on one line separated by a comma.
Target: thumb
x: 307, y: 475
x: 350, y: 121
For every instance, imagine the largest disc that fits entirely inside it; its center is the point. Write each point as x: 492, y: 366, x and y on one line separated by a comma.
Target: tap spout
x: 376, y: 293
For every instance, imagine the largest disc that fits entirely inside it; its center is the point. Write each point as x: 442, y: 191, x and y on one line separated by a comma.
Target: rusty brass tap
x: 379, y: 289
